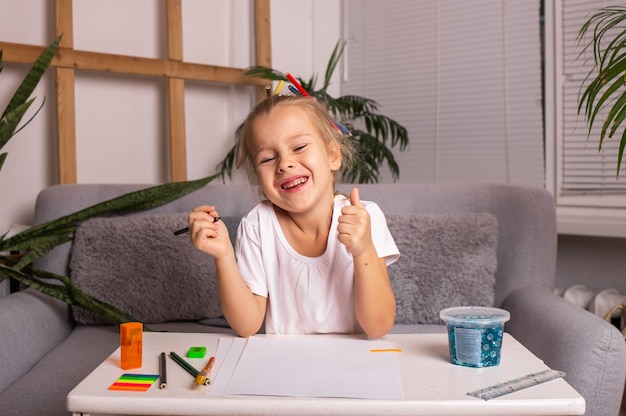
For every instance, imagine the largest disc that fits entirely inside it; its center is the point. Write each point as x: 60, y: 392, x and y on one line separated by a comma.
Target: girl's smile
x: 294, y: 184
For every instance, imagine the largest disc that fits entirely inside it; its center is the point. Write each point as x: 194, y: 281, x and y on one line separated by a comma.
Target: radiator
x: 598, y: 303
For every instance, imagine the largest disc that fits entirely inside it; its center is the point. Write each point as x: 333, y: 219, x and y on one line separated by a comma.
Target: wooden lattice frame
x: 68, y: 60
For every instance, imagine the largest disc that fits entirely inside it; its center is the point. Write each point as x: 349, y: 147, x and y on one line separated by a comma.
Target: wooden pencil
x: 184, y: 364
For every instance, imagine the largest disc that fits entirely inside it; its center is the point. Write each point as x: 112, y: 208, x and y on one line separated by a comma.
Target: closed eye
x: 300, y: 147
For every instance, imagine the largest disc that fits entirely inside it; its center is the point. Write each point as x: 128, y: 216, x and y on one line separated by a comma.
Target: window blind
x: 463, y: 77
x: 584, y: 170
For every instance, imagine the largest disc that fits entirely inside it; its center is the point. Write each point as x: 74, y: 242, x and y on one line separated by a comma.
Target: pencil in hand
x: 186, y: 229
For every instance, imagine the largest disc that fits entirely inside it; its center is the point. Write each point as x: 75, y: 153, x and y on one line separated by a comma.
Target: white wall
x: 121, y: 127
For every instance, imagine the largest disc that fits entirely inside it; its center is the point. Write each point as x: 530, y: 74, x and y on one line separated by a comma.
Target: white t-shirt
x: 305, y: 294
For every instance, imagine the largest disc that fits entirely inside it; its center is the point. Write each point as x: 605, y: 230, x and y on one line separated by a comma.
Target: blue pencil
x: 340, y: 126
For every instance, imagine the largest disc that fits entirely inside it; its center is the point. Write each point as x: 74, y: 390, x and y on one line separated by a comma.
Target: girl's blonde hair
x: 319, y: 116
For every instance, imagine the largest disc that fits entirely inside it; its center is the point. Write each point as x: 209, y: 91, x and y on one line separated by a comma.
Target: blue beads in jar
x: 475, y: 334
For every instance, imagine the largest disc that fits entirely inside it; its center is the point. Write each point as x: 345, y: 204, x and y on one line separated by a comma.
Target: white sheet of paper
x: 227, y: 356
x: 313, y: 366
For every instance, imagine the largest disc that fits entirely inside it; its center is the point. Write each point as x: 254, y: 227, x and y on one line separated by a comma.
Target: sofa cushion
x: 446, y: 260
x: 137, y: 264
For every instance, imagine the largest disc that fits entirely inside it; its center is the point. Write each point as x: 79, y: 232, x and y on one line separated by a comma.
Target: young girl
x: 305, y: 261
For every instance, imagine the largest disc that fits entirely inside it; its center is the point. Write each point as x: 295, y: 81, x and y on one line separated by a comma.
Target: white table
x: 431, y: 385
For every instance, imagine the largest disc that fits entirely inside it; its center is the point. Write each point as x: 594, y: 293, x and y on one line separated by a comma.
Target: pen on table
x: 203, y: 377
x: 162, y: 371
x: 186, y: 229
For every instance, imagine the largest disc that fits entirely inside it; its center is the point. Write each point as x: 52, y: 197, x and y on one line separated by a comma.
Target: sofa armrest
x: 590, y: 350
x: 31, y: 324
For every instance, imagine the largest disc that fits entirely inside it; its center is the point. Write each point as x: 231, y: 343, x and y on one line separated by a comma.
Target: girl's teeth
x: 294, y: 183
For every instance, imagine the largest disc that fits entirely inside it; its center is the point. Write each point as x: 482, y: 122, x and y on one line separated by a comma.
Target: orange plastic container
x: 131, y: 339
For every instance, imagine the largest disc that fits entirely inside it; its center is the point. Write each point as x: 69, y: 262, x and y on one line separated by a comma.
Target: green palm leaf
x: 354, y: 105
x: 10, y: 121
x: 41, y: 239
x: 33, y: 76
x: 66, y: 292
x: 616, y: 115
x: 335, y: 56
x: 603, y: 89
x: 597, y: 106
x: 40, y: 246
x: 620, y: 153
x: 266, y: 73
x: 384, y: 127
x: 20, y: 101
x: 227, y: 165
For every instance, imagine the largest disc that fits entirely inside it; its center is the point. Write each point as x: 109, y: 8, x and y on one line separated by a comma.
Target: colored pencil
x: 203, y: 376
x: 186, y: 229
x: 279, y: 87
x: 162, y: 371
x: 297, y: 88
x: 297, y: 84
x: 337, y: 124
x: 184, y: 364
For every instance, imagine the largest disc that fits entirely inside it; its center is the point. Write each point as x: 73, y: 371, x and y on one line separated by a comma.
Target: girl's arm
x: 375, y: 304
x: 243, y: 310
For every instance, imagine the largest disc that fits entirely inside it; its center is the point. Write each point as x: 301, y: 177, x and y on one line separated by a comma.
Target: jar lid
x: 474, y: 314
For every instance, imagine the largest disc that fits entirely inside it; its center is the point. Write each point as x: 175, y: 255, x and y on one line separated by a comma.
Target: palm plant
x: 605, y: 92
x: 373, y: 134
x: 21, y: 101
x: 39, y: 240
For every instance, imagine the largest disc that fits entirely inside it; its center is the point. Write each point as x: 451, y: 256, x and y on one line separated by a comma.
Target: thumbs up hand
x: 355, y: 199
x: 354, y: 225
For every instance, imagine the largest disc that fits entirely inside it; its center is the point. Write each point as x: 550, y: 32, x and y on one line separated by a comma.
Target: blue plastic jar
x: 475, y: 334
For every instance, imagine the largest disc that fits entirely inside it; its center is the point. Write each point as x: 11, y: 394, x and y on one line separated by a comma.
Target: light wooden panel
x: 263, y: 38
x: 68, y: 60
x: 66, y: 102
x: 176, y: 93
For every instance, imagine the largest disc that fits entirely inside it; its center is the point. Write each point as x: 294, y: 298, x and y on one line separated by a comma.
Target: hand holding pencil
x: 207, y: 233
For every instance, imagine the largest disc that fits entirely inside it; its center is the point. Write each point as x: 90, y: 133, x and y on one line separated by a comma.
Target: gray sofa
x: 46, y: 348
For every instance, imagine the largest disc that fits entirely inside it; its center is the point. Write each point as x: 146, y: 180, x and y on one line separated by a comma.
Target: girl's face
x: 293, y: 163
